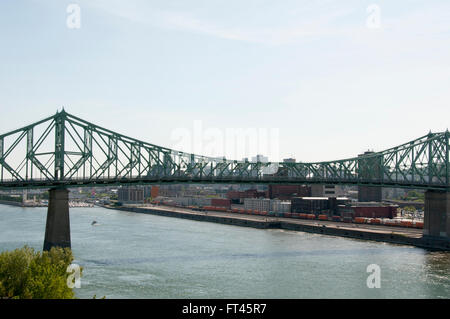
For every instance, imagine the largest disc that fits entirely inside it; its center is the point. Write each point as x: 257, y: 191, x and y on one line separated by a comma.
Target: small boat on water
x: 94, y: 222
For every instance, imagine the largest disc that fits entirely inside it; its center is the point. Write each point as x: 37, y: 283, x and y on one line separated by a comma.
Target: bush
x: 11, y: 198
x: 25, y: 273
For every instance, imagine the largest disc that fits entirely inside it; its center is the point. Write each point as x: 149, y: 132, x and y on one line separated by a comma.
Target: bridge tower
x: 437, y: 203
x: 437, y: 215
x: 57, y: 229
x: 370, y: 169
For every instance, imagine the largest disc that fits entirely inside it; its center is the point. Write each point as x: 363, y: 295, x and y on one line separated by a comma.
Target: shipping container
x: 220, y: 202
x: 309, y: 205
x: 347, y: 219
x: 390, y: 222
x: 288, y: 191
x: 336, y: 218
x: 406, y: 223
x: 375, y: 211
x: 154, y: 192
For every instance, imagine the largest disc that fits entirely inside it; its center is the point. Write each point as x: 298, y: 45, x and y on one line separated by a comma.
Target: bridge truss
x: 64, y: 150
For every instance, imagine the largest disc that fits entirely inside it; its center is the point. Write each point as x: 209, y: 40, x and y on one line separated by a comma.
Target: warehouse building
x: 130, y: 195
x: 267, y: 205
x: 317, y: 205
x: 286, y: 192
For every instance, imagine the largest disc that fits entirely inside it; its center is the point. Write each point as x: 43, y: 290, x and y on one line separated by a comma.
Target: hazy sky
x: 313, y: 70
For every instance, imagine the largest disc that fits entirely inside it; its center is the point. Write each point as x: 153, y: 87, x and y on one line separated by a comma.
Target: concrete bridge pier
x: 437, y: 215
x: 57, y: 230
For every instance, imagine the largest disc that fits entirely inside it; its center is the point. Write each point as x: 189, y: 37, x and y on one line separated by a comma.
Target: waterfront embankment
x: 394, y: 235
x: 11, y: 203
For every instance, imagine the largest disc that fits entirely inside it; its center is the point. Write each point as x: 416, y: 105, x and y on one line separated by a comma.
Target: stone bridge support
x: 57, y: 230
x: 437, y: 215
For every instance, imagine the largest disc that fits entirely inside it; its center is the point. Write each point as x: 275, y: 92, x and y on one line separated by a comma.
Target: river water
x: 129, y: 255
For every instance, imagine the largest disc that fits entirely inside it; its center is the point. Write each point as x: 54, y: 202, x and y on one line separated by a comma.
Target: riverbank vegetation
x: 29, y: 274
x: 11, y: 198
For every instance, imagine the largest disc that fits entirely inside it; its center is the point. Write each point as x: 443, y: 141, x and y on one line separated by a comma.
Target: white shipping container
x: 257, y: 204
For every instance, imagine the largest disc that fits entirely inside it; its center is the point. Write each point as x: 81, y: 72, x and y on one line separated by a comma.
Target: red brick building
x: 286, y: 192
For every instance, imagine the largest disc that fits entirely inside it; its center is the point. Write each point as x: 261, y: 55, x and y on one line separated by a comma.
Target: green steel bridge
x: 66, y: 151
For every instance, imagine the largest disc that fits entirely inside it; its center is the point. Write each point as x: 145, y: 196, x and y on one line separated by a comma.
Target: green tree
x: 409, y: 209
x: 414, y: 195
x: 25, y: 273
x: 11, y: 198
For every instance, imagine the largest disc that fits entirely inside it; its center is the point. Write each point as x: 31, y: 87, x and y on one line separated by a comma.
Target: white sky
x: 310, y: 70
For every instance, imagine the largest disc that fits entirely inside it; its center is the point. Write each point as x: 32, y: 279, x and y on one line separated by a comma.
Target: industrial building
x: 130, y: 194
x: 317, y: 205
x: 319, y: 190
x: 262, y: 205
x: 237, y: 197
x: 185, y: 200
x: 267, y: 205
x: 369, y: 194
x: 286, y: 192
x: 279, y: 206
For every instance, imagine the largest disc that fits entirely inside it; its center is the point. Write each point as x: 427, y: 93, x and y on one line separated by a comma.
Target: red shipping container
x: 220, y: 202
x: 154, y: 192
x: 374, y: 212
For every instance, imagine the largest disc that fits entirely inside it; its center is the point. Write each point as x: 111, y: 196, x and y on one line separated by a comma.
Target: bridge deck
x: 66, y: 151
